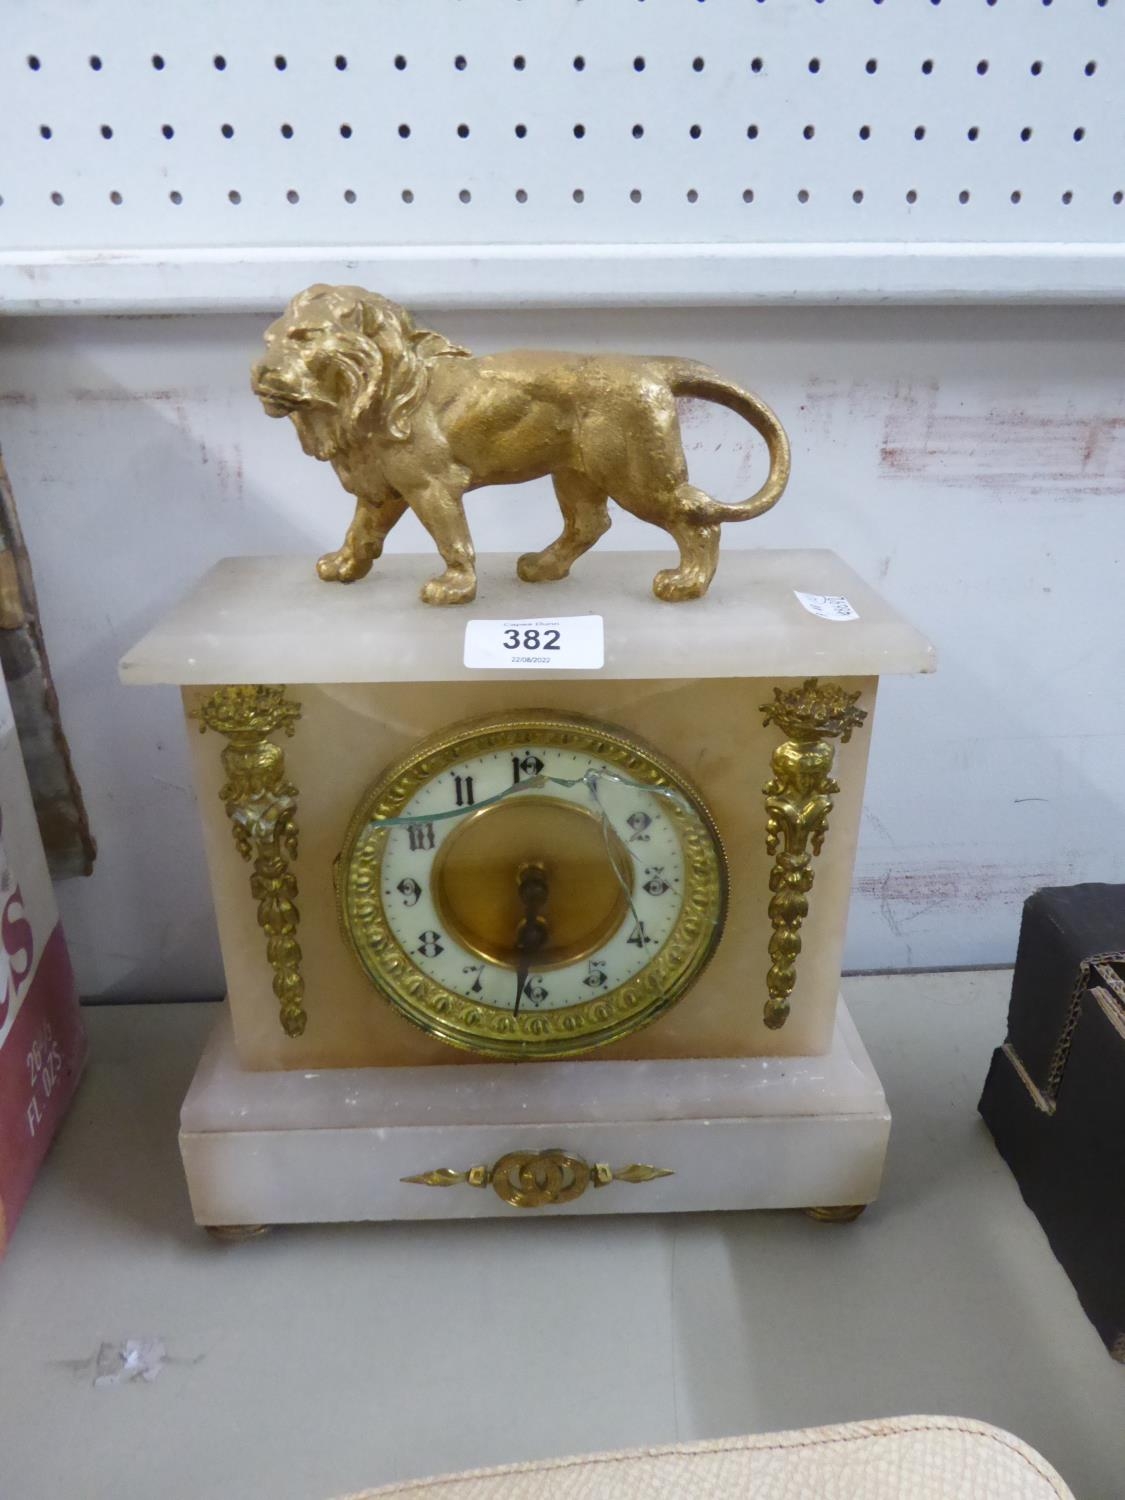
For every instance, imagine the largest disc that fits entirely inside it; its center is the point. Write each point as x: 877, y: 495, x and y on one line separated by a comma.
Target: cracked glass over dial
x: 627, y: 871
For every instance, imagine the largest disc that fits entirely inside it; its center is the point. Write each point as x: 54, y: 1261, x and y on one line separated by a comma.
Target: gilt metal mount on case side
x: 262, y: 807
x: 798, y: 803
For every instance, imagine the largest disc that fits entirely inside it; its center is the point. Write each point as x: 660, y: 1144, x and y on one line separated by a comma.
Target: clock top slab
x: 271, y: 619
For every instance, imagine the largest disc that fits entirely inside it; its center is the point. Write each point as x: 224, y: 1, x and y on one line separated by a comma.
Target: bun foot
x: 234, y: 1234
x: 844, y: 1213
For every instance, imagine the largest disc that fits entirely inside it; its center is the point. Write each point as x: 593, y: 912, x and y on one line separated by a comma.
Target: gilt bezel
x: 493, y: 1031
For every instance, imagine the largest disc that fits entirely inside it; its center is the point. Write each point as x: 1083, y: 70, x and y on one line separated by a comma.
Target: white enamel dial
x: 641, y: 820
x: 532, y: 884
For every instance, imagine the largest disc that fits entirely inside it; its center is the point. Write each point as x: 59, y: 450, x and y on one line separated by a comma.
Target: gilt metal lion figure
x: 409, y: 420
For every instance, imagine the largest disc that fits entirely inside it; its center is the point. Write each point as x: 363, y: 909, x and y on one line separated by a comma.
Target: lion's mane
x: 348, y: 348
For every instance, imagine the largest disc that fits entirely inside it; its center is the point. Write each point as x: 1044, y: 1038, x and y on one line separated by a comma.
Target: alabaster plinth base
x: 741, y: 1133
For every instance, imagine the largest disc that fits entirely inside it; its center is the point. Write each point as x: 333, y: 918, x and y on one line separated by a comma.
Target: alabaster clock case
x: 694, y: 708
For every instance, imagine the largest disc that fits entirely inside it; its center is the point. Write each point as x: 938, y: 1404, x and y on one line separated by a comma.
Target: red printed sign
x: 42, y: 1045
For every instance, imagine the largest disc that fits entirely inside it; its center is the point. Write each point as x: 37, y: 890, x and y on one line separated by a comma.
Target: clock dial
x: 532, y: 885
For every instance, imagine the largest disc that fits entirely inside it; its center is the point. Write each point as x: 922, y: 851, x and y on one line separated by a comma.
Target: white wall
x: 969, y: 463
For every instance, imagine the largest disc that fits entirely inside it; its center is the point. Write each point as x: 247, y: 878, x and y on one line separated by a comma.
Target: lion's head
x: 345, y: 363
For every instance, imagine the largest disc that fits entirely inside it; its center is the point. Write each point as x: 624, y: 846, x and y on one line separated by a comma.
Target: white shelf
x: 943, y: 1297
x: 261, y: 279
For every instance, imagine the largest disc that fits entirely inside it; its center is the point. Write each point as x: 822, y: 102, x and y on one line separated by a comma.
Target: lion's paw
x: 540, y: 567
x: 674, y: 584
x: 450, y: 588
x: 342, y: 567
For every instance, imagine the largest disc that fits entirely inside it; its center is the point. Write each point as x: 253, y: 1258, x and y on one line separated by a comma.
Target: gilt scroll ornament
x: 410, y: 421
x: 262, y: 807
x: 798, y: 804
x: 535, y: 1179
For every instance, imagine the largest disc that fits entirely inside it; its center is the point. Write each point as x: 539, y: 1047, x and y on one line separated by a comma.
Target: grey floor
x: 323, y: 1360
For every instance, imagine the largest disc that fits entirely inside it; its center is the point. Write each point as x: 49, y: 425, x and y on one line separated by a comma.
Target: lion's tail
x: 689, y: 379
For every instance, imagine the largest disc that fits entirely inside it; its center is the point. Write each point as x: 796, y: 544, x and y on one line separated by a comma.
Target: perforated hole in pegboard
x: 656, y: 121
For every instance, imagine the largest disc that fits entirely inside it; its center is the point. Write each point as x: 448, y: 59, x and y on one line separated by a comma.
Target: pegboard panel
x: 190, y: 132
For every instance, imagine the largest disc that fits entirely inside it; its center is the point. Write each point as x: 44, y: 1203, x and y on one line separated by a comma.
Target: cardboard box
x: 42, y: 1042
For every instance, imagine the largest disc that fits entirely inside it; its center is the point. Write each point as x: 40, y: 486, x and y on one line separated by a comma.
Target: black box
x: 1054, y: 1098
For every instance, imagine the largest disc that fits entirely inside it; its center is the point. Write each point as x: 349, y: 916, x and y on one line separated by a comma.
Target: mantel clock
x: 563, y: 929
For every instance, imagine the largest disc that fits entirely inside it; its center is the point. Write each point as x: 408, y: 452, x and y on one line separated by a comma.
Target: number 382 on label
x: 575, y: 643
x: 531, y: 638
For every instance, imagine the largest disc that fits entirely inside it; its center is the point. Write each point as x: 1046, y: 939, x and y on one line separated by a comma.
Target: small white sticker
x: 827, y: 606
x: 577, y: 642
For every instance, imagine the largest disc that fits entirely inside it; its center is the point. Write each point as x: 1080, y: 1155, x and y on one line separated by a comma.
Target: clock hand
x: 531, y: 932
